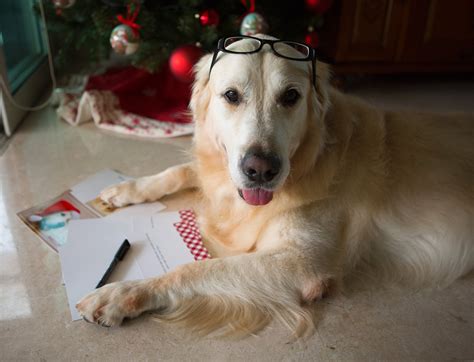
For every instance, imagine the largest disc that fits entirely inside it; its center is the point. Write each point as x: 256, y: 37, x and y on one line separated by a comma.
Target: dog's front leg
x: 150, y: 188
x: 235, y: 291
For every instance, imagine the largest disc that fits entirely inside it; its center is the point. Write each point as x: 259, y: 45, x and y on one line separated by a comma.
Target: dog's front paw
x: 109, y: 305
x: 121, y: 194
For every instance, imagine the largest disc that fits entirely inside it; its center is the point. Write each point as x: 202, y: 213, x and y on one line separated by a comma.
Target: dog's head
x: 256, y: 109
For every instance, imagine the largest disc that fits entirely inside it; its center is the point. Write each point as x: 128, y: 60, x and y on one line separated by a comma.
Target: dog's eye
x: 232, y: 96
x: 289, y: 97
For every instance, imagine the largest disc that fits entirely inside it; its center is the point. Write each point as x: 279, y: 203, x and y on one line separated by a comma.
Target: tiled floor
x: 47, y: 156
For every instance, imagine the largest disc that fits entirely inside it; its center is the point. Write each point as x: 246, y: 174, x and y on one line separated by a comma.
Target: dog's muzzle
x: 259, y: 170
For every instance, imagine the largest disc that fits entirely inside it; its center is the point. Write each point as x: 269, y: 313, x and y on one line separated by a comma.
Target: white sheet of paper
x: 161, y: 248
x: 156, y: 248
x: 90, y: 188
x: 91, y: 246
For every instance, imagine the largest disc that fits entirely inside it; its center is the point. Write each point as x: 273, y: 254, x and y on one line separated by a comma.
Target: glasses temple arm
x: 313, y: 64
x: 214, y: 57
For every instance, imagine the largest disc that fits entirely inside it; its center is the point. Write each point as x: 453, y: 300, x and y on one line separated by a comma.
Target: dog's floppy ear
x: 200, y: 94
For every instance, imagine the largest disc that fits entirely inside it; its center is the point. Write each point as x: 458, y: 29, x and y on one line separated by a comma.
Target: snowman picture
x: 53, y: 220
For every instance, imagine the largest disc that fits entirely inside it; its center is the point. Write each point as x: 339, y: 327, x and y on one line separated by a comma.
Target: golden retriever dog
x: 303, y: 186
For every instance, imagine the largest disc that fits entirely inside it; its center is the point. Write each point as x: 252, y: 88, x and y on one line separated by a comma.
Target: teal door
x: 23, y: 65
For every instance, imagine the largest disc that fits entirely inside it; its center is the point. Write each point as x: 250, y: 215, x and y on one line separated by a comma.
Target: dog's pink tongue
x: 257, y: 196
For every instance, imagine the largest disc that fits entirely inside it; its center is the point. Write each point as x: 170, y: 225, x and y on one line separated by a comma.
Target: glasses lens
x: 239, y: 44
x: 291, y: 49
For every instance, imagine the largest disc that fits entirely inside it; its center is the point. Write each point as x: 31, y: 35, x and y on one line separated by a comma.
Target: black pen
x: 119, y: 255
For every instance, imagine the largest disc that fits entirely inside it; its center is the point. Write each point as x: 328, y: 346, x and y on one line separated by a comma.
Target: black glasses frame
x: 221, y: 48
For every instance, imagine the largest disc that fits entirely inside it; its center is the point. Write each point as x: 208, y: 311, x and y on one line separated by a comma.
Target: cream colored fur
x: 389, y: 193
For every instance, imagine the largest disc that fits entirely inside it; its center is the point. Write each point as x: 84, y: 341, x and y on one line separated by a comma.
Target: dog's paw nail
x: 105, y: 325
x: 87, y: 320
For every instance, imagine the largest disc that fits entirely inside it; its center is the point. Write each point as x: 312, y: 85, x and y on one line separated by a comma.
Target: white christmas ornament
x: 124, y: 40
x: 252, y: 24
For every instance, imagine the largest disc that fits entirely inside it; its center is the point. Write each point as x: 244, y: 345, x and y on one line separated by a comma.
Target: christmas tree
x: 148, y: 32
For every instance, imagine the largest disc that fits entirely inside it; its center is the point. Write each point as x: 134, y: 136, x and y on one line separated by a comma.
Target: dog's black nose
x: 260, y: 167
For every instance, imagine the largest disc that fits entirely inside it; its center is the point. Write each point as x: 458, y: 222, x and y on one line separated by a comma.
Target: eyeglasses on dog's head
x: 283, y: 48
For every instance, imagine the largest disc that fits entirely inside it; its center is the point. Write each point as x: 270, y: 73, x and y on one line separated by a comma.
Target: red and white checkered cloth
x: 189, y: 232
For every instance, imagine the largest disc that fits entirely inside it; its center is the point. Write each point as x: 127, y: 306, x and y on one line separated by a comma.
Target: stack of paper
x: 156, y: 248
x: 87, y: 233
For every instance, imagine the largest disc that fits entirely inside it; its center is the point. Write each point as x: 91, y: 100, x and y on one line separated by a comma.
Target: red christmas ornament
x: 209, y: 17
x: 182, y: 61
x: 318, y: 6
x: 312, y: 39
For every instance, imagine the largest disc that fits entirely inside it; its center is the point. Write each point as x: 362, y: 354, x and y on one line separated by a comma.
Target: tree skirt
x: 131, y: 101
x: 103, y: 108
